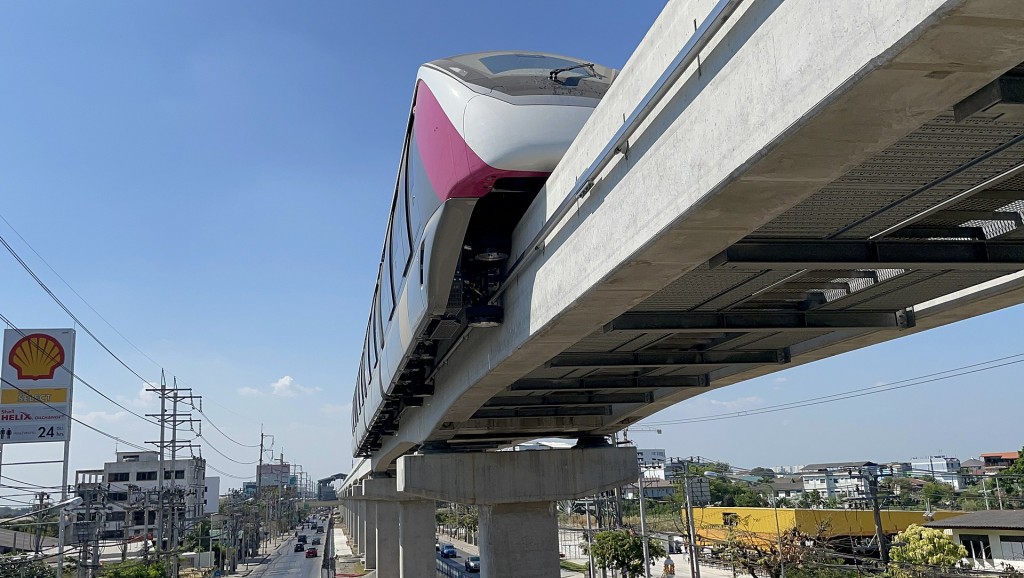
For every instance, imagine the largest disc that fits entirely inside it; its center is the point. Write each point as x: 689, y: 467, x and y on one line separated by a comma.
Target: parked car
x: 299, y: 547
x: 448, y: 551
x: 311, y: 553
x: 473, y: 564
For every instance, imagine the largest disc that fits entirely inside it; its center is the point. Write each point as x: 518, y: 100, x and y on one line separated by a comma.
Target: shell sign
x: 35, y: 394
x: 36, y: 356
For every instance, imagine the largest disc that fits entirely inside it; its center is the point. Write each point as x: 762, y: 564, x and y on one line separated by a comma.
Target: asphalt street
x: 286, y: 563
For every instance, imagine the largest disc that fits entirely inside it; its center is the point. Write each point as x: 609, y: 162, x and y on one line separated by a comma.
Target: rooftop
x: 989, y: 519
x: 836, y: 466
x: 1004, y: 455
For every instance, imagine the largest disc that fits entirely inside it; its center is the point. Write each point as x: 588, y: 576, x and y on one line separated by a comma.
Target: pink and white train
x: 484, y: 133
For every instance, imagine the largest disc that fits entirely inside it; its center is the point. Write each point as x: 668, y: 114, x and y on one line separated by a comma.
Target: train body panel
x: 485, y: 131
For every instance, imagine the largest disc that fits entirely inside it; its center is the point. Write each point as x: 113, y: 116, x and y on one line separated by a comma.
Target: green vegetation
x: 922, y: 552
x: 133, y: 569
x: 572, y: 566
x: 623, y: 551
x: 21, y: 567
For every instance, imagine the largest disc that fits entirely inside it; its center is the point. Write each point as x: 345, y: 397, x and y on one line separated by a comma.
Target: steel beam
x: 760, y: 321
x: 669, y: 358
x: 1000, y: 194
x: 550, y: 411
x: 939, y: 232
x: 966, y: 216
x: 833, y: 254
x: 610, y: 382
x: 562, y: 399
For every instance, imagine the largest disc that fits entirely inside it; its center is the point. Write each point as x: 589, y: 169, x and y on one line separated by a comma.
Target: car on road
x: 473, y: 564
x: 448, y: 551
x: 311, y: 553
x: 299, y: 547
x: 302, y: 538
x: 316, y: 540
x: 320, y: 530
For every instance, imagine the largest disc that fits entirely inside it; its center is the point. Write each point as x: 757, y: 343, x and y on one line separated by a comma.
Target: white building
x: 124, y: 495
x: 991, y: 538
x: 650, y: 457
x: 844, y: 480
x: 942, y: 468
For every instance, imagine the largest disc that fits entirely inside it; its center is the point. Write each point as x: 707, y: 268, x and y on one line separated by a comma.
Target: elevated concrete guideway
x: 821, y: 175
x: 824, y: 177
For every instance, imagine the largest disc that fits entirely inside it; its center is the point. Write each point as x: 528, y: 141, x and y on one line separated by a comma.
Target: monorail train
x: 484, y: 133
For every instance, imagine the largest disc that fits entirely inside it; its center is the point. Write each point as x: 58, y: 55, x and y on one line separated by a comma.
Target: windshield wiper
x: 553, y: 75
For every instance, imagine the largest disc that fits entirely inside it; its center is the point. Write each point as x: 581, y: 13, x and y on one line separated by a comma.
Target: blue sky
x: 214, y: 177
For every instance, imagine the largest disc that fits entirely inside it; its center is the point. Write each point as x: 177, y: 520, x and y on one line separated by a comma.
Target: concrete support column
x: 405, y: 531
x: 508, y: 531
x: 387, y: 539
x: 417, y: 525
x: 360, y: 527
x: 516, y: 492
x: 370, y: 541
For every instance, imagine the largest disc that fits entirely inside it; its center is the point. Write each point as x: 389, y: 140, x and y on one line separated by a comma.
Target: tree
x: 623, y: 551
x: 22, y: 567
x: 937, y: 493
x: 800, y: 554
x: 923, y: 550
x: 133, y: 569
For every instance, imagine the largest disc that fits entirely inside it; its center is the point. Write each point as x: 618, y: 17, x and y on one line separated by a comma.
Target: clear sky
x: 214, y: 177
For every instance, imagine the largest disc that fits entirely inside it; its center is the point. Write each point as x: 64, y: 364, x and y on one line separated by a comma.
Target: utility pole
x: 167, y: 536
x: 883, y: 543
x: 41, y: 496
x: 984, y: 492
x: 999, y: 494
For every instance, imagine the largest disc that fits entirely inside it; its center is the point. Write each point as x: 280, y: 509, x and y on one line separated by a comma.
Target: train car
x: 485, y: 130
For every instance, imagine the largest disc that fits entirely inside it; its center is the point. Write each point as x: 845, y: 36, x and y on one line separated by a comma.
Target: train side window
x: 380, y: 327
x: 378, y: 336
x: 406, y: 192
x: 387, y: 291
x: 423, y: 250
x: 401, y: 245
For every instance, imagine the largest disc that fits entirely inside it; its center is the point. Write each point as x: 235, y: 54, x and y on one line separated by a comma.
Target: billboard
x: 35, y: 394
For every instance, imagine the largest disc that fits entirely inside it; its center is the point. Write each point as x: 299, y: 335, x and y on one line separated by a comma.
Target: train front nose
x: 521, y: 137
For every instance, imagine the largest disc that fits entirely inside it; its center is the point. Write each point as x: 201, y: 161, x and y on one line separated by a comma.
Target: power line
x: 210, y: 421
x: 67, y: 310
x: 60, y: 303
x: 79, y: 378
x: 223, y: 473
x: 72, y: 289
x: 861, y: 392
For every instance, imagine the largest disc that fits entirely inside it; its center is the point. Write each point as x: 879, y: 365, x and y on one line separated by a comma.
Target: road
x: 457, y: 565
x: 286, y: 563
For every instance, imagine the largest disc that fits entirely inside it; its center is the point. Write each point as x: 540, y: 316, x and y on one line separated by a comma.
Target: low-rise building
x: 992, y: 538
x: 788, y: 487
x: 123, y: 497
x: 762, y: 525
x: 839, y: 479
x: 944, y: 469
x: 996, y: 462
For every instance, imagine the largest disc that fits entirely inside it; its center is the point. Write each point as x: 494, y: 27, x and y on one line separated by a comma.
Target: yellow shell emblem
x: 36, y: 356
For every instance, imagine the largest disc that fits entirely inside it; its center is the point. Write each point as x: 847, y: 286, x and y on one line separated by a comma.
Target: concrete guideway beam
x: 780, y: 129
x: 514, y: 477
x: 515, y: 492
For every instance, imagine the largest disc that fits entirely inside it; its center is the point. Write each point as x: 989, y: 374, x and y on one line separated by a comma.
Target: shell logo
x: 36, y: 356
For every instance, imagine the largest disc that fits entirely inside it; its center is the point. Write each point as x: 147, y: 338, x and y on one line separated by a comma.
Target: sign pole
x: 64, y: 476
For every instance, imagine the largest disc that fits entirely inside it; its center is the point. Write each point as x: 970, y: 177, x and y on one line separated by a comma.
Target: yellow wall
x: 710, y: 522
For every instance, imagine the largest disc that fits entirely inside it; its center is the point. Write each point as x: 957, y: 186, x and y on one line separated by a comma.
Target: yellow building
x: 713, y: 524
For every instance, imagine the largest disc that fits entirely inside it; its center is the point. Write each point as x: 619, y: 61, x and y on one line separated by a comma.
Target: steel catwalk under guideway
x: 848, y: 191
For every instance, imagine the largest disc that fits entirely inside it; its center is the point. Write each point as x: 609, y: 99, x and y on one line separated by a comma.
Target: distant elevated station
x: 786, y: 183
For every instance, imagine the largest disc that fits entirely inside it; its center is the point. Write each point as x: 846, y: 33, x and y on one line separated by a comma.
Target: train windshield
x: 525, y: 73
